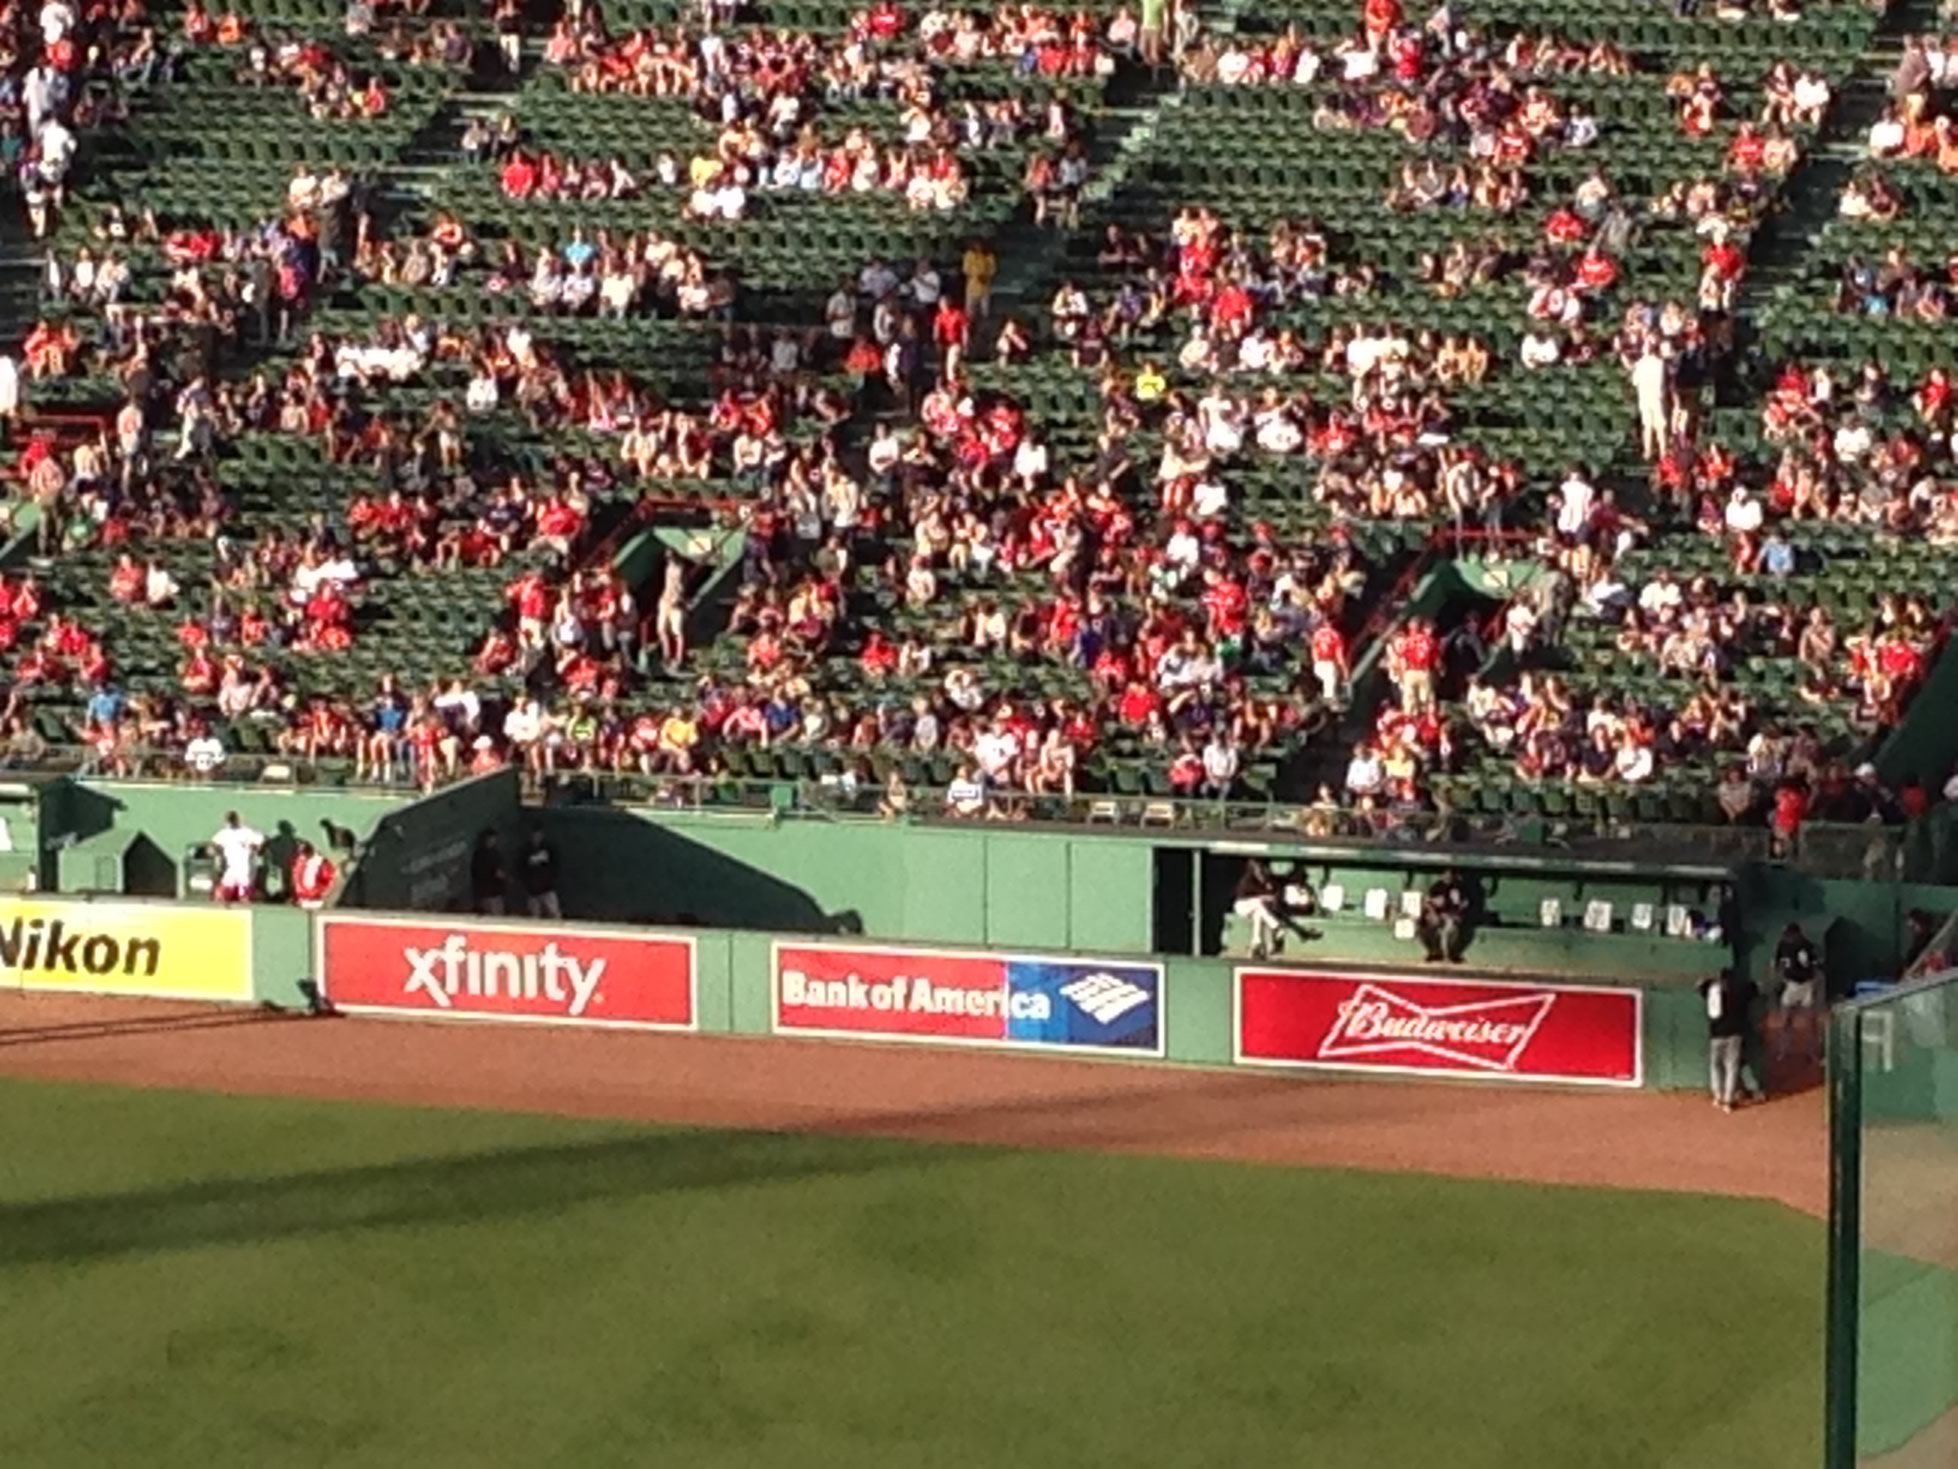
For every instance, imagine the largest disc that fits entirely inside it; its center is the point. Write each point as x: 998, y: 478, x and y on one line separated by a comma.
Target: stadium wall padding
x: 734, y: 978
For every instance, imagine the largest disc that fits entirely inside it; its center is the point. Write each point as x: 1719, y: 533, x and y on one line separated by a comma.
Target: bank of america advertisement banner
x: 878, y: 993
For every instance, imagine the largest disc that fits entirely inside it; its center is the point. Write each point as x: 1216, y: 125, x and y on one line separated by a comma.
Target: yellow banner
x: 163, y: 950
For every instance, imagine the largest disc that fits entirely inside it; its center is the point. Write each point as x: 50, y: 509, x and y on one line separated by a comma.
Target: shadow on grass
x: 430, y: 1192
x: 516, y: 1182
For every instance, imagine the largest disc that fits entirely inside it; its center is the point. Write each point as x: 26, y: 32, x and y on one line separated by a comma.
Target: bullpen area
x: 206, y: 1279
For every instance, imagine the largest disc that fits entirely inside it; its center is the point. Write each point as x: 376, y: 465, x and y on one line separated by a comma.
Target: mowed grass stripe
x: 210, y: 1281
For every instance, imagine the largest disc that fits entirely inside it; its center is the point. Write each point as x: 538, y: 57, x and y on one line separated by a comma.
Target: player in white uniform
x: 238, y: 847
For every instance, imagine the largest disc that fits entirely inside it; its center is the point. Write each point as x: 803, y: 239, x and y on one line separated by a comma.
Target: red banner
x: 1440, y: 1027
x: 814, y: 992
x: 474, y: 970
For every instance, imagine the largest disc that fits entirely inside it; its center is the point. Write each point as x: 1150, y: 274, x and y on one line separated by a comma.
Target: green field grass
x: 205, y: 1281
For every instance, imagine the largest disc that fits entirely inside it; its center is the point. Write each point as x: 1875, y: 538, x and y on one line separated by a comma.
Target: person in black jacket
x: 1443, y: 925
x: 539, y: 876
x: 487, y: 879
x: 1272, y: 908
x: 1798, y: 968
x: 1729, y: 1021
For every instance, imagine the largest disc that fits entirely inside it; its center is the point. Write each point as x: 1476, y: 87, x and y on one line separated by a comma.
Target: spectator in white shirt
x: 1811, y: 98
x: 963, y: 688
x: 876, y: 281
x: 966, y: 795
x: 57, y: 150
x: 1853, y: 441
x: 1183, y: 548
x: 1030, y: 461
x: 1575, y: 496
x: 1359, y: 62
x: 1220, y: 765
x: 1660, y: 597
x: 57, y: 19
x: 925, y: 287
x: 841, y: 314
x: 1633, y: 762
x: 996, y: 749
x: 159, y: 587
x: 1519, y: 627
x: 1743, y: 514
x: 1210, y: 499
x: 459, y: 705
x: 204, y: 755
x: 523, y: 726
x: 1540, y: 349
x: 1606, y: 592
x: 1364, y: 773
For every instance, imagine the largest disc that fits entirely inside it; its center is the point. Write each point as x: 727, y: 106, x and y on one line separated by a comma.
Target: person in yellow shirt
x: 677, y: 738
x: 979, y: 266
x: 1150, y: 384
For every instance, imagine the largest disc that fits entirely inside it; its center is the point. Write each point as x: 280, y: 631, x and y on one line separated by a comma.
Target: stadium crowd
x: 939, y: 577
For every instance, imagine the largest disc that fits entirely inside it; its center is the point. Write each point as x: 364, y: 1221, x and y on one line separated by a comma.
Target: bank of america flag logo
x: 1105, y: 997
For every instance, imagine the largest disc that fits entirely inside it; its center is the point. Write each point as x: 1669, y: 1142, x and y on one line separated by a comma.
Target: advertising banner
x: 872, y: 993
x: 495, y: 971
x: 166, y: 951
x: 1439, y: 1027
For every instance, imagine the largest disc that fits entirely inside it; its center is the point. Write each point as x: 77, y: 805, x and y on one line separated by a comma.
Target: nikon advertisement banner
x: 162, y: 950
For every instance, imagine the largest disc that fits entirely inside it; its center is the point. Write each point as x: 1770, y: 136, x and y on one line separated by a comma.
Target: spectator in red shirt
x: 1411, y: 660
x: 1790, y: 809
x: 1138, y: 704
x: 519, y: 176
x: 1912, y: 799
x: 1329, y: 661
x: 951, y: 329
x: 313, y: 875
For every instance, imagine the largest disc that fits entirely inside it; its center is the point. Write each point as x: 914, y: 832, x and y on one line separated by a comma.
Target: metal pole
x: 1845, y: 1062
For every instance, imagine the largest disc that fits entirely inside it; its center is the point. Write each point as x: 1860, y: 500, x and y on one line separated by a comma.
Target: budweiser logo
x: 457, y: 970
x: 1490, y: 1035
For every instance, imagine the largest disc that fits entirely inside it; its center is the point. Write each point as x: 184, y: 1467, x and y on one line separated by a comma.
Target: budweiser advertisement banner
x: 508, y: 971
x: 874, y: 993
x: 1439, y: 1027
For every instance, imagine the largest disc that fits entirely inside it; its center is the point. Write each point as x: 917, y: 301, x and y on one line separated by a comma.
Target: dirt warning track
x: 1624, y: 1140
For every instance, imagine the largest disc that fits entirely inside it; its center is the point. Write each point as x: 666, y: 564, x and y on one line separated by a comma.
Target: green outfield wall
x: 944, y: 883
x: 1101, y: 891
x: 1126, y: 890
x: 133, y: 837
x: 1132, y: 891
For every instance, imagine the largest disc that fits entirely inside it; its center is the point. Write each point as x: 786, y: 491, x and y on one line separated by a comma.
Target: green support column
x: 1845, y: 1060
